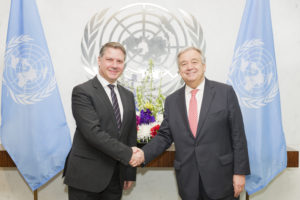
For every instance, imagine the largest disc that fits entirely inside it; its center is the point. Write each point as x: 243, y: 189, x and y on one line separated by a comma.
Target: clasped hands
x: 137, y: 157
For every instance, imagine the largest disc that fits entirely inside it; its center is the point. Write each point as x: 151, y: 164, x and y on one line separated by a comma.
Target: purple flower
x: 146, y: 117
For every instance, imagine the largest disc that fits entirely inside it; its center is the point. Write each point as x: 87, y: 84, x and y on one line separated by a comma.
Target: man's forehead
x: 193, y: 54
x: 184, y: 59
x: 112, y: 51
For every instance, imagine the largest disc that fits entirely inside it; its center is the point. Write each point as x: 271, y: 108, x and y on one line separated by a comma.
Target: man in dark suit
x: 204, y: 121
x: 98, y: 167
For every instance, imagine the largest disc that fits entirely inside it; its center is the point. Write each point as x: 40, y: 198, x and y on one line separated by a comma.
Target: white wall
x: 64, y: 22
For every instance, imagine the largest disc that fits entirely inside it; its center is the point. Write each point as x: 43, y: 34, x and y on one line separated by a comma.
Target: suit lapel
x: 101, y: 92
x: 102, y: 96
x: 182, y: 109
x: 208, y: 96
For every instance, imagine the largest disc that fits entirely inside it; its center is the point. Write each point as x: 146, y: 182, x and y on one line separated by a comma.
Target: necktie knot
x: 194, y: 92
x: 111, y: 86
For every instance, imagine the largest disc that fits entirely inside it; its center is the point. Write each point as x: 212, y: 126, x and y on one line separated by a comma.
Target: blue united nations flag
x: 33, y: 129
x: 254, y: 77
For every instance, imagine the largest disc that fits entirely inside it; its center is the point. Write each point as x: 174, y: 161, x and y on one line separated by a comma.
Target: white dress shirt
x: 105, y: 84
x: 199, y: 97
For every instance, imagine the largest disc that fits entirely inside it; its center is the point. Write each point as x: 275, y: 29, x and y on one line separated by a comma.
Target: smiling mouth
x: 190, y: 73
x: 113, y: 71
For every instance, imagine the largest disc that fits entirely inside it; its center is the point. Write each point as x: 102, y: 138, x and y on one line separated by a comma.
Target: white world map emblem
x: 148, y: 32
x: 253, y: 74
x: 28, y: 73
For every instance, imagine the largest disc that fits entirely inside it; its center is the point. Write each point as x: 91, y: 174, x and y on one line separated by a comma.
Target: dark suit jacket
x: 219, y: 149
x: 98, y: 145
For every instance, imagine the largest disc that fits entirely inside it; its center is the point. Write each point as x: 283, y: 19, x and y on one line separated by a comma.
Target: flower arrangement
x: 150, y: 107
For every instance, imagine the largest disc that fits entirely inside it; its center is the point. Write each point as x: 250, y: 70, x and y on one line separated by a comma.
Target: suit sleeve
x: 238, y: 137
x: 89, y: 125
x: 161, y: 141
x: 130, y: 174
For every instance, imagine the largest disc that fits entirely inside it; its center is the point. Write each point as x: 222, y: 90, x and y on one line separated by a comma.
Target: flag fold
x: 33, y: 129
x: 253, y: 75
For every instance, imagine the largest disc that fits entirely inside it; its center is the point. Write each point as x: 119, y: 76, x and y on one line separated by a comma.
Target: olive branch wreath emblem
x: 88, y: 43
x: 27, y: 98
x: 252, y: 102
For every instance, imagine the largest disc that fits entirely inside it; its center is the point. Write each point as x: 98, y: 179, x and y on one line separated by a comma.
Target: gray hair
x: 203, y: 59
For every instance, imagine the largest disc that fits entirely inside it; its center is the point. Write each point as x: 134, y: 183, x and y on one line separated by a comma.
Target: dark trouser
x: 203, y: 195
x: 112, y: 192
x: 191, y: 186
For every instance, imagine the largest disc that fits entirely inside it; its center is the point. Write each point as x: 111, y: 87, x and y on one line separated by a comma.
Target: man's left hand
x: 127, y: 185
x: 238, y: 184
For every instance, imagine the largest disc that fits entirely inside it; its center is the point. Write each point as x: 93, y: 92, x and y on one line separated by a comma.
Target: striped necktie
x: 115, y: 105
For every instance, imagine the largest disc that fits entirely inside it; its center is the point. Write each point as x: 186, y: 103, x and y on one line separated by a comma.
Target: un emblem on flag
x: 148, y: 32
x: 28, y: 74
x: 253, y: 74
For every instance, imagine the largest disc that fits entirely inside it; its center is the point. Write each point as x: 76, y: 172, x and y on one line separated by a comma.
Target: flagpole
x: 35, y: 194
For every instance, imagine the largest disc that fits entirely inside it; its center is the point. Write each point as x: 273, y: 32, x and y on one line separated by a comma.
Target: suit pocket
x: 177, y: 165
x: 84, y: 154
x: 226, y: 159
x: 217, y: 114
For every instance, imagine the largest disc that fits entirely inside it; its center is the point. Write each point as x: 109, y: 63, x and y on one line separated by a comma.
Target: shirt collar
x: 200, y: 87
x: 104, y: 82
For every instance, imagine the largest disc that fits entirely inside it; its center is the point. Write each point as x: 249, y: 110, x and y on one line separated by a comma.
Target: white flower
x: 144, y: 131
x: 159, y: 118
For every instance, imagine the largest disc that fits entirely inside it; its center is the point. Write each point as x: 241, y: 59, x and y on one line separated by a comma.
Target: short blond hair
x: 114, y: 45
x: 203, y: 60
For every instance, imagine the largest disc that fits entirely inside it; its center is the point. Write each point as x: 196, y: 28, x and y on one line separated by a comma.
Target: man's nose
x: 189, y: 66
x: 115, y: 63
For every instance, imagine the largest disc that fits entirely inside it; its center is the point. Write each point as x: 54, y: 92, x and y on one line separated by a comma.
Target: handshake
x: 137, y: 157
